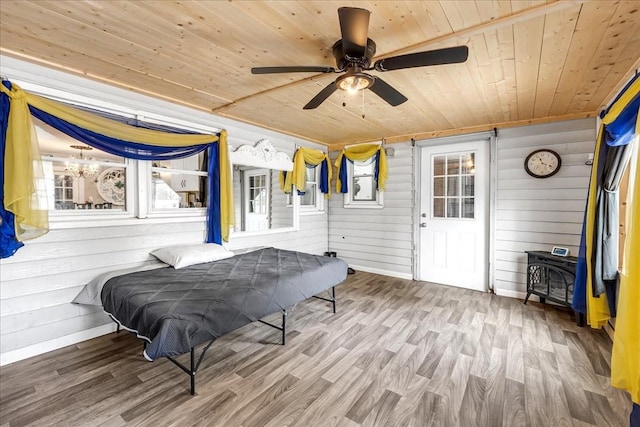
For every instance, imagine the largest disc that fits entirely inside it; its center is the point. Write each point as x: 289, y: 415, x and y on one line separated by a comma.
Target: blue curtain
x: 214, y: 234
x: 344, y: 179
x: 115, y: 146
x: 617, y: 133
x: 8, y: 242
x: 324, y: 177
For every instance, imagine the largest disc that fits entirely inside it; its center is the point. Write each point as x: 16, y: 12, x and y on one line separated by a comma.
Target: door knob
x: 423, y: 224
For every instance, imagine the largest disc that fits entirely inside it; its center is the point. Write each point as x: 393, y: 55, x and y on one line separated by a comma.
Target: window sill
x: 242, y: 234
x: 363, y: 206
x: 117, y: 220
x: 312, y: 212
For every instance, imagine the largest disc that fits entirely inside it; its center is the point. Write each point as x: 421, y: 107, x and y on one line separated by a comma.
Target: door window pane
x: 438, y: 208
x: 468, y: 207
x: 468, y: 163
x: 438, y: 187
x: 453, y: 191
x: 453, y: 164
x: 438, y: 165
x: 468, y: 185
x: 453, y: 207
x: 452, y: 186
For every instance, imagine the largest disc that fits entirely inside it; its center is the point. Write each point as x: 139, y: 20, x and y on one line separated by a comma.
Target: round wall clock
x: 542, y: 163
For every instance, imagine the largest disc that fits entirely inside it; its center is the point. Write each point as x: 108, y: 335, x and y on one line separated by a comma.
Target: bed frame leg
x: 192, y: 374
x: 333, y: 297
x: 193, y: 366
x: 332, y: 300
x: 284, y: 327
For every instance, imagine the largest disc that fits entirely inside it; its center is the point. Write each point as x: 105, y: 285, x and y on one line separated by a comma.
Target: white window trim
x: 61, y: 216
x: 138, y: 172
x: 318, y: 207
x: 349, y: 203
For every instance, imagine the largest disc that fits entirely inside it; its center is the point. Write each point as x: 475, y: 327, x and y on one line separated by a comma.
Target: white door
x: 453, y: 214
x: 256, y: 203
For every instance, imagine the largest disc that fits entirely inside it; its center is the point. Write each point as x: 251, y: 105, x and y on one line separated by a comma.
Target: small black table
x: 552, y: 278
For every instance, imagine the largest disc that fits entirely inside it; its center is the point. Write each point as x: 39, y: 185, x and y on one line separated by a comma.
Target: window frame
x: 56, y: 215
x: 137, y: 172
x: 460, y: 195
x: 349, y: 202
x: 318, y: 206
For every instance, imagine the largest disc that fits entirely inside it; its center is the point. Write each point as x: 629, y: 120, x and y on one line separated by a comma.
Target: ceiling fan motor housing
x: 343, y: 61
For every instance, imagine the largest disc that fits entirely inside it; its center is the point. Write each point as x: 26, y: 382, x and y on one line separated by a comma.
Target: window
x: 256, y: 199
x: 312, y: 200
x: 362, y: 185
x: 63, y: 188
x: 454, y: 186
x: 179, y: 183
x: 79, y: 177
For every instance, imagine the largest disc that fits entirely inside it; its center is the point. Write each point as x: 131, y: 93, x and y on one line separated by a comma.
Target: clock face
x: 542, y: 163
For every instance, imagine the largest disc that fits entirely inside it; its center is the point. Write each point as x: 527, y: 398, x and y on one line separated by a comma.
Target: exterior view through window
x: 453, y: 192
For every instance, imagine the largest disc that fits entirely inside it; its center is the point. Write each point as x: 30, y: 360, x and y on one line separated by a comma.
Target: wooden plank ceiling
x: 529, y: 61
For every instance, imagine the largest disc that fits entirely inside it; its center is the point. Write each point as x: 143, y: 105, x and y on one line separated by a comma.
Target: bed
x: 175, y: 310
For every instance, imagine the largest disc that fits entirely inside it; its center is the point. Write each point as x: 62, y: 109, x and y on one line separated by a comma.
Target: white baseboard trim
x: 382, y: 272
x: 54, y: 344
x: 512, y: 294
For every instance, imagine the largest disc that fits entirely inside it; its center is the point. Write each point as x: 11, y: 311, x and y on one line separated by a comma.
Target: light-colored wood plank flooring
x: 397, y: 353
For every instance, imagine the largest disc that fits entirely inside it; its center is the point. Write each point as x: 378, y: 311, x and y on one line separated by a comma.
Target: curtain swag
x: 303, y: 157
x: 596, y: 273
x: 361, y: 153
x: 22, y: 213
x: 618, y: 128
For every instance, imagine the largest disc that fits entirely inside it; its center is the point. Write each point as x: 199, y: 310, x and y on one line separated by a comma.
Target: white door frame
x: 489, y: 191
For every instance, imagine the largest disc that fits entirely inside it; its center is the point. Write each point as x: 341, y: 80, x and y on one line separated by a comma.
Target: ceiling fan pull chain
x: 362, y: 103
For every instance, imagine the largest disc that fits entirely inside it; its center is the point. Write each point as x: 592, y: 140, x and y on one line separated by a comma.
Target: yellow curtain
x: 22, y: 160
x: 227, y: 213
x: 625, y: 357
x: 23, y: 170
x: 302, y: 157
x: 361, y: 153
x: 597, y: 307
x: 114, y: 129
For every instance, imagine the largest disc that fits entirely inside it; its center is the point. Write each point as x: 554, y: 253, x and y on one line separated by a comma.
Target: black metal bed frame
x: 193, y: 366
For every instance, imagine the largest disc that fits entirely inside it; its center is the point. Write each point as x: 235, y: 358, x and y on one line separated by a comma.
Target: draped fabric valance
x: 22, y: 216
x: 361, y: 153
x: 303, y: 157
x: 618, y: 128
x: 595, y: 284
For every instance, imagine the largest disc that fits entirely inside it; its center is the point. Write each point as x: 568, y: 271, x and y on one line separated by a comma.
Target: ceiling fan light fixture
x: 355, y: 82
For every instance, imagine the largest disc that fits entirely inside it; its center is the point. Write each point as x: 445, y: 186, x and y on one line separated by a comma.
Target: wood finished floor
x: 397, y: 353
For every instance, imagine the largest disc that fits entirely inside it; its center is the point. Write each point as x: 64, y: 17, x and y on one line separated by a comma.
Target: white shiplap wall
x: 537, y: 214
x: 378, y: 240
x: 39, y: 281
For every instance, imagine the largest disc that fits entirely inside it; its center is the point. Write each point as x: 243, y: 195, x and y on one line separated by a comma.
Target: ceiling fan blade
x: 292, y: 69
x: 450, y: 55
x: 354, y: 26
x: 387, y: 92
x: 320, y: 97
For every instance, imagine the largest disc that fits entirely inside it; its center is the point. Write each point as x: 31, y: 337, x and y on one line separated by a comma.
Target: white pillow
x: 180, y: 256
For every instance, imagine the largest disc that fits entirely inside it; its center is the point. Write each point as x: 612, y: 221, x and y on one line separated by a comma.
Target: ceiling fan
x: 353, y: 54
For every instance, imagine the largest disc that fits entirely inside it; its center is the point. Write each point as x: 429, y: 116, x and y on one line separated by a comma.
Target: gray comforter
x: 178, y: 309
